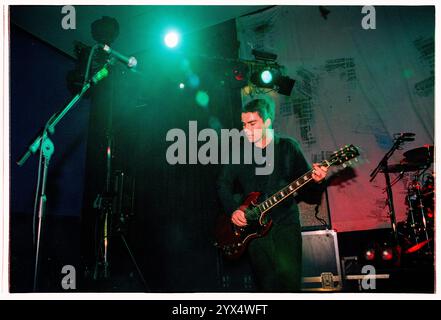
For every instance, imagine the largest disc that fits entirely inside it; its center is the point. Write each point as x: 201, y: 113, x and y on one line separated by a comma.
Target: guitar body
x: 233, y: 240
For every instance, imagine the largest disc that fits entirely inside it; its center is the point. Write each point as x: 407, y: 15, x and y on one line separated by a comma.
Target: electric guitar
x: 233, y: 240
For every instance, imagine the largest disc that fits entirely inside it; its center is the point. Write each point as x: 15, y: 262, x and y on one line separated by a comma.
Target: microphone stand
x: 46, y: 147
x: 383, y: 167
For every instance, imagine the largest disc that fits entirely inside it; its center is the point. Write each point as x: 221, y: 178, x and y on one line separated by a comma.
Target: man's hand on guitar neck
x: 238, y: 218
x: 319, y: 172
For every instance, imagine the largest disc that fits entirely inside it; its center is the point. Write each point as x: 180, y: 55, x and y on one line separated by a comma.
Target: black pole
x: 390, y: 203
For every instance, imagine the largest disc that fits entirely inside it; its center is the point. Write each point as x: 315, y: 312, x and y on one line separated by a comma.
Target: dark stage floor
x: 61, y: 246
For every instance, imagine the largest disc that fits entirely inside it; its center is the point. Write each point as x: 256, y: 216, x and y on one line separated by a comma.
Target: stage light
x: 240, y: 71
x: 387, y: 254
x: 271, y: 77
x: 181, y: 86
x: 171, y: 39
x: 266, y: 77
x: 369, y: 254
x: 238, y: 75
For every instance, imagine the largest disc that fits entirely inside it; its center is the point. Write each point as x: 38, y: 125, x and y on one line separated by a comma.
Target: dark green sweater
x: 289, y: 164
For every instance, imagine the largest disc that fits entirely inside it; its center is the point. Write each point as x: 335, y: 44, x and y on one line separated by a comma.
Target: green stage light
x: 272, y: 78
x: 266, y: 76
x: 171, y: 39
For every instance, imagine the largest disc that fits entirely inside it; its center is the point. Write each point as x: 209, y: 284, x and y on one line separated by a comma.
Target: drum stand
x: 416, y: 214
x: 110, y: 206
x: 385, y: 168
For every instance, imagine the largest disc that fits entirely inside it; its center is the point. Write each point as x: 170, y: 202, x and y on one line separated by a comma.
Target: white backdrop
x: 353, y: 86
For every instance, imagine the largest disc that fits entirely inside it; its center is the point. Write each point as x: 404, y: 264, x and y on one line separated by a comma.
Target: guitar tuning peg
x: 356, y: 159
x: 344, y: 165
x: 350, y: 162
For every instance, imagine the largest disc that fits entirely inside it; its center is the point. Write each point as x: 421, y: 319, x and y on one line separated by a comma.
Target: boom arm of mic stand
x: 53, y: 121
x: 383, y: 162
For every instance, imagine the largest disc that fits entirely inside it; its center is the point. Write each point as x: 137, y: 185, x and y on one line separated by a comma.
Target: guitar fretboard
x: 285, y: 192
x: 279, y: 196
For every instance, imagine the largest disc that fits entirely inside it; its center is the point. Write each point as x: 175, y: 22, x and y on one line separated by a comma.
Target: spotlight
x: 387, y: 254
x: 267, y: 73
x: 171, y: 39
x: 369, y: 254
x: 272, y: 78
x: 181, y: 85
x: 240, y: 72
x: 265, y: 78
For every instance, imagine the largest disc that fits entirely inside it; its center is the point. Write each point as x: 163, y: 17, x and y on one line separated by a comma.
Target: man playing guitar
x: 276, y: 258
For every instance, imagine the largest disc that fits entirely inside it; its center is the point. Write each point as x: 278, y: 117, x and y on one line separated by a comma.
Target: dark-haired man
x: 276, y: 258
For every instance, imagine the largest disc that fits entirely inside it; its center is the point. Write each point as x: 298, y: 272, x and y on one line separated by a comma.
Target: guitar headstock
x: 344, y: 155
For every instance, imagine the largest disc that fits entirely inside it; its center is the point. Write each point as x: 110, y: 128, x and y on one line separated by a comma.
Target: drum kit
x: 416, y: 233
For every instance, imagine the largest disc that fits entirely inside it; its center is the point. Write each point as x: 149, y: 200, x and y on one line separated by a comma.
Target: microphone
x: 405, y: 136
x: 131, y: 62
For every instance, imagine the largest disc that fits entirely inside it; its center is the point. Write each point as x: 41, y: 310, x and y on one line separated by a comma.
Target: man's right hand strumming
x: 238, y: 218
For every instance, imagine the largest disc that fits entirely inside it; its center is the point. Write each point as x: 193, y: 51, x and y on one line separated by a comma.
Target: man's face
x: 254, y: 126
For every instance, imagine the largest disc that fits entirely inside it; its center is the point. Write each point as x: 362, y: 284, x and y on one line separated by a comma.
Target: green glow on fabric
x: 408, y: 73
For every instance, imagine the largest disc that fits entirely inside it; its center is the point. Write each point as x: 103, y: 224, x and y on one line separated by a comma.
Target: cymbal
x: 420, y: 155
x: 404, y: 167
x: 417, y: 246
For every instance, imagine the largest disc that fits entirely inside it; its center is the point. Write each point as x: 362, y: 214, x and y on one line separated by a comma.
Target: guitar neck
x: 282, y: 194
x: 341, y: 156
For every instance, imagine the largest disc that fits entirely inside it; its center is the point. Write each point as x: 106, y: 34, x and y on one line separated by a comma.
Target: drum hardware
x: 416, y: 233
x: 383, y: 166
x: 418, y: 229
